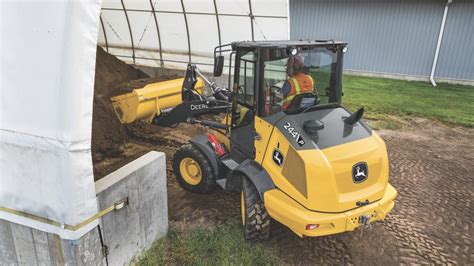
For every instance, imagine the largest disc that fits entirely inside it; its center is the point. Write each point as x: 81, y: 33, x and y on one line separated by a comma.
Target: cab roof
x: 287, y: 43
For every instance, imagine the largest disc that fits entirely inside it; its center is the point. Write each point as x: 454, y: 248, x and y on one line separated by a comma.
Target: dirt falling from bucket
x: 113, y: 77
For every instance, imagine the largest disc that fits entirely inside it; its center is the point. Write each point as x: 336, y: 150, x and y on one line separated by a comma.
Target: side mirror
x: 218, y: 65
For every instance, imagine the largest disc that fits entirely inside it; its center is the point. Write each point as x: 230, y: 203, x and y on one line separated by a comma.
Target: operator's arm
x: 285, y: 89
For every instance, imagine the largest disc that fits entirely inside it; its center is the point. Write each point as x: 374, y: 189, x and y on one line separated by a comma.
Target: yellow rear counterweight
x: 148, y: 102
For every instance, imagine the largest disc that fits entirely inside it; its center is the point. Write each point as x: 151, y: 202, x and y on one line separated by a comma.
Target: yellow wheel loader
x: 313, y: 166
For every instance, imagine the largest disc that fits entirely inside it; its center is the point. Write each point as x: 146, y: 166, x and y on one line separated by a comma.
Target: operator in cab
x: 298, y: 81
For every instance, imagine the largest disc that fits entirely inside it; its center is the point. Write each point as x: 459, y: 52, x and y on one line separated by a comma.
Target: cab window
x: 316, y: 64
x: 246, y: 82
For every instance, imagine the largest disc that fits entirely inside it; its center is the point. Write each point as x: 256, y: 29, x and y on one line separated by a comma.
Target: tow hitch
x: 364, y: 220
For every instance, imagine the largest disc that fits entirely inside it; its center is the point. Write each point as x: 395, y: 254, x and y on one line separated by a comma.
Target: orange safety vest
x: 300, y: 83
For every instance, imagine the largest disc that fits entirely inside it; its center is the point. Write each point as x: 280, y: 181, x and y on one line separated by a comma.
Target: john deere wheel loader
x: 314, y: 167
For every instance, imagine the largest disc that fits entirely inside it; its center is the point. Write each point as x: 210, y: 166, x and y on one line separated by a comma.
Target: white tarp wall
x: 171, y: 33
x: 47, y: 56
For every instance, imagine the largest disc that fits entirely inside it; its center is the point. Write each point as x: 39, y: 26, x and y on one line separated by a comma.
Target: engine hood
x: 334, y: 132
x: 340, y: 169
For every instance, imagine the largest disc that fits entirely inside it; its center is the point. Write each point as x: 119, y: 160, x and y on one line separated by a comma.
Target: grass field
x: 223, y: 245
x: 383, y: 98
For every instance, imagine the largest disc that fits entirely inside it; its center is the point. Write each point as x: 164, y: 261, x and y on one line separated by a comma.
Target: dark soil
x: 107, y: 132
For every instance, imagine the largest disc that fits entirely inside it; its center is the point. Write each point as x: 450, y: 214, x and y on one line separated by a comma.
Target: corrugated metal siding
x: 397, y: 37
x: 456, y: 56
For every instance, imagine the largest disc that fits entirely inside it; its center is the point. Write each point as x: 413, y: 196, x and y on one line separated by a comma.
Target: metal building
x: 395, y: 38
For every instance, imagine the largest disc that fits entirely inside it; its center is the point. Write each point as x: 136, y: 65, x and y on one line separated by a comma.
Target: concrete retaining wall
x: 129, y: 231
x: 22, y: 245
x: 125, y: 232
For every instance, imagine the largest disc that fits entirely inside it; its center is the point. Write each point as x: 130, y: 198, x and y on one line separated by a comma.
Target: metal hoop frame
x: 184, y: 12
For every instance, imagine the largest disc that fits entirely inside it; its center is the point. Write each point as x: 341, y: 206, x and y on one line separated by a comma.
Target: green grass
x: 223, y: 245
x: 382, y: 98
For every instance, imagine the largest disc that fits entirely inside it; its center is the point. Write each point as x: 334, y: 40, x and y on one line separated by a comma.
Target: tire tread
x: 208, y: 182
x: 257, y: 220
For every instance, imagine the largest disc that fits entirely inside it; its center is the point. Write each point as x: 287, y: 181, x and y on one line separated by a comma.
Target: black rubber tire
x: 257, y: 220
x: 208, y: 180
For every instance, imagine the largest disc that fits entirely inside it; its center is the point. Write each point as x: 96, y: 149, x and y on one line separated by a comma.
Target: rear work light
x: 216, y: 144
x: 312, y: 226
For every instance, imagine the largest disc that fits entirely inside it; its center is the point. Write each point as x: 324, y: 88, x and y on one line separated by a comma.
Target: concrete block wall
x: 126, y: 232
x: 22, y: 245
x: 130, y: 230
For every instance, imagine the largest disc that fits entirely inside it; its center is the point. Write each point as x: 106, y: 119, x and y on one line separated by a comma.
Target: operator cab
x: 260, y: 73
x: 258, y: 83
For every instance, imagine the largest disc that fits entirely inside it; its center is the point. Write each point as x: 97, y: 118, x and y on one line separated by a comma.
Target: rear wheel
x: 193, y: 170
x: 255, y: 218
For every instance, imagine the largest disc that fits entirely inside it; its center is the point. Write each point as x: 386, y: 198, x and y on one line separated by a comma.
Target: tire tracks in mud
x: 433, y: 216
x: 432, y: 220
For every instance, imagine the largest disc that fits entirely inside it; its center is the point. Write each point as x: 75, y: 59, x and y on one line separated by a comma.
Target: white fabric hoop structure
x: 171, y: 33
x: 47, y: 55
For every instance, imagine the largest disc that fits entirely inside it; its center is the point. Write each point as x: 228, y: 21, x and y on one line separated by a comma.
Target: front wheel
x: 255, y: 218
x: 193, y: 170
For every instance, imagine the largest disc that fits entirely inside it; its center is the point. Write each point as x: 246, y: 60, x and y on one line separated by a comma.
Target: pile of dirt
x: 112, y: 77
x: 107, y: 132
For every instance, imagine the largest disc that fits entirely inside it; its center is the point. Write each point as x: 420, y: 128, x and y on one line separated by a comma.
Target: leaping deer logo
x: 359, y: 174
x: 277, y: 157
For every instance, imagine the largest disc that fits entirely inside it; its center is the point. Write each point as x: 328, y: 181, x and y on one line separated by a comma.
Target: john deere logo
x: 360, y: 172
x: 277, y: 157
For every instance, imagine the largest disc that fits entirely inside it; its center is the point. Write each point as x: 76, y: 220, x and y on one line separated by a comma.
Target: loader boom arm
x: 169, y: 103
x: 191, y: 79
x: 194, y: 104
x: 188, y: 111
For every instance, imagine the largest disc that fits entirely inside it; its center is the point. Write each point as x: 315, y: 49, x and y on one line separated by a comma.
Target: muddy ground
x: 432, y: 222
x: 431, y: 166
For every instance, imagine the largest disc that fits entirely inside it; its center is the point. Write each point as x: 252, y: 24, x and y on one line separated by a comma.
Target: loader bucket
x: 146, y: 103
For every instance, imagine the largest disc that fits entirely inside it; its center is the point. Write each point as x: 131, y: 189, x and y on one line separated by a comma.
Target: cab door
x: 242, y: 132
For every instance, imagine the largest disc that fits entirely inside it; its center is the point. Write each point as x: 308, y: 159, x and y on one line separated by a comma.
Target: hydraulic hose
x: 218, y: 93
